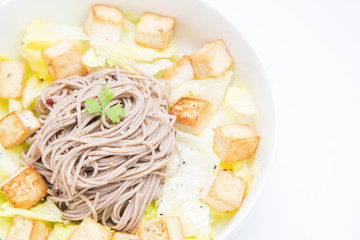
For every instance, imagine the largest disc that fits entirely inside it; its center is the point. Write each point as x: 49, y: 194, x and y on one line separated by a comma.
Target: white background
x: 311, y: 52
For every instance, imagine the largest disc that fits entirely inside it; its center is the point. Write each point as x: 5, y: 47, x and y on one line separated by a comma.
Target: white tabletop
x: 311, y: 52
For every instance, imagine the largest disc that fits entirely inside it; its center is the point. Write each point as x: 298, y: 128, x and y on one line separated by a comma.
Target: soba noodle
x: 109, y: 171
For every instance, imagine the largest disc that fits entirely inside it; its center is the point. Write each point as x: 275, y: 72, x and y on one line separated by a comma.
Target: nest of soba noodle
x: 110, y: 171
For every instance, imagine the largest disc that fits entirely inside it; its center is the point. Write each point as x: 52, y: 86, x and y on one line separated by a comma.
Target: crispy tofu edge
x: 17, y: 177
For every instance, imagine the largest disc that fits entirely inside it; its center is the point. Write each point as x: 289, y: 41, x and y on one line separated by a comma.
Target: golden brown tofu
x: 164, y: 228
x: 63, y: 60
x: 154, y: 31
x: 224, y: 191
x: 105, y: 22
x: 27, y: 229
x: 16, y: 127
x: 212, y: 60
x: 11, y: 79
x: 235, y: 142
x: 124, y: 236
x: 192, y: 114
x: 90, y: 230
x: 180, y: 72
x: 24, y: 188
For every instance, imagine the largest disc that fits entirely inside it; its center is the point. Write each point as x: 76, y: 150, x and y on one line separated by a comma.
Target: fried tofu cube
x: 124, y: 236
x: 211, y: 60
x: 16, y: 127
x: 161, y: 228
x: 180, y: 72
x: 11, y: 79
x: 63, y: 60
x: 192, y: 115
x: 224, y: 191
x: 235, y: 142
x: 24, y: 188
x: 90, y: 230
x: 27, y: 229
x: 105, y: 22
x: 154, y: 31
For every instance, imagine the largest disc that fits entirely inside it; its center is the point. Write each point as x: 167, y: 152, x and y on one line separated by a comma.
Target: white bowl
x: 196, y: 24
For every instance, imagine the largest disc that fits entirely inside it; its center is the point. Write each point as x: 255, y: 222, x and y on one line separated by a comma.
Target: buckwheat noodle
x: 108, y: 171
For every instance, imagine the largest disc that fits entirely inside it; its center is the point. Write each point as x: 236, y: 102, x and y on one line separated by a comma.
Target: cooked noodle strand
x: 109, y: 171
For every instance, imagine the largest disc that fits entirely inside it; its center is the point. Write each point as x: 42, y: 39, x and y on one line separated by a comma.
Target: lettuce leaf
x: 182, y: 190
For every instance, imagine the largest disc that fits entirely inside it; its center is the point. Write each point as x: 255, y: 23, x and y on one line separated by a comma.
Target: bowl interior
x: 196, y: 24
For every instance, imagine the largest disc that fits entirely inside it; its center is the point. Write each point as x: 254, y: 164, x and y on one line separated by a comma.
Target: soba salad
x: 107, y: 132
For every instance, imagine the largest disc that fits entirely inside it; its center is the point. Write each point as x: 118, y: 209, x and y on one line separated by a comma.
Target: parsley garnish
x: 105, y: 97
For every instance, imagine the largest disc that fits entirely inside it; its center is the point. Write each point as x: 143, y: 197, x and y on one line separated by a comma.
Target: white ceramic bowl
x: 196, y: 24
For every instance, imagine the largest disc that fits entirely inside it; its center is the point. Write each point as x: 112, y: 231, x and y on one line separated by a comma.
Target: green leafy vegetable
x: 150, y: 212
x: 92, y: 106
x: 61, y: 231
x: 45, y: 211
x: 105, y: 97
x: 114, y: 112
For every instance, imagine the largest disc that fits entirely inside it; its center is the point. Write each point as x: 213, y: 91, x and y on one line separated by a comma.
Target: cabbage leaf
x: 182, y: 190
x: 212, y: 89
x: 150, y: 212
x: 10, y: 160
x: 62, y: 231
x: 4, y: 227
x: 240, y: 100
x: 33, y: 88
x: 46, y: 211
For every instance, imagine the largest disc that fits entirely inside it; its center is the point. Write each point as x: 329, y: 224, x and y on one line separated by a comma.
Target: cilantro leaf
x: 92, y: 106
x: 105, y: 97
x: 115, y: 112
